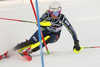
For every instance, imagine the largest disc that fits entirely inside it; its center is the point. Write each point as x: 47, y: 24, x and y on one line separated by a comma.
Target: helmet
x: 55, y: 8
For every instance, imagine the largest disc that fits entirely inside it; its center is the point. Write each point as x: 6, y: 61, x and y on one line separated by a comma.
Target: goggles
x: 54, y: 13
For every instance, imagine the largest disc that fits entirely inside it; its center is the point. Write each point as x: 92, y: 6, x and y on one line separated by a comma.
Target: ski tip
x: 28, y: 57
x: 1, y: 57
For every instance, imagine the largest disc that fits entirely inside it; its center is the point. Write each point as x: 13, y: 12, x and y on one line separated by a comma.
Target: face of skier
x: 55, y: 9
x: 54, y: 15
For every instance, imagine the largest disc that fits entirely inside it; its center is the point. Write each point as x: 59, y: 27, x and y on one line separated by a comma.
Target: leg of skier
x: 33, y: 40
x: 53, y: 38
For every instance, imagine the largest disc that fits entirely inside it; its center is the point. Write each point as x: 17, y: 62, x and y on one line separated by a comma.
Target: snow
x: 84, y: 16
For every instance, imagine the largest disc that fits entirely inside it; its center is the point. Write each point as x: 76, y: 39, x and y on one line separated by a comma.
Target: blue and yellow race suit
x: 54, y: 30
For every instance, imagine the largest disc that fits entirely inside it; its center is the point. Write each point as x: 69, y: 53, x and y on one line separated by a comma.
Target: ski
x: 27, y: 56
x: 5, y: 55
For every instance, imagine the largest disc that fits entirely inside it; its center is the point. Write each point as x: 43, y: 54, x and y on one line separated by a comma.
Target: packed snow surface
x: 84, y: 15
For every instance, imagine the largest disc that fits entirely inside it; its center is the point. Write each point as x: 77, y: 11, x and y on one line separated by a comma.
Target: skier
x: 51, y: 24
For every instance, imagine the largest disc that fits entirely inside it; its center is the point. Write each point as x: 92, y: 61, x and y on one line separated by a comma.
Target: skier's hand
x: 76, y: 47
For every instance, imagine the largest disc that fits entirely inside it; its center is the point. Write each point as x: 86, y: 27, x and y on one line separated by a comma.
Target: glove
x: 76, y: 47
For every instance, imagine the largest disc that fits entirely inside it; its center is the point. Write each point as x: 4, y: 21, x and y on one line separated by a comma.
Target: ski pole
x: 90, y: 47
x: 41, y: 31
x: 17, y: 20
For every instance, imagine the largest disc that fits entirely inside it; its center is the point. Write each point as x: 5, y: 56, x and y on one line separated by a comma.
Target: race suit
x: 54, y: 30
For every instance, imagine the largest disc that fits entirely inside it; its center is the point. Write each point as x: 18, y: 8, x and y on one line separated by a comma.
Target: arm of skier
x: 67, y: 24
x: 43, y: 22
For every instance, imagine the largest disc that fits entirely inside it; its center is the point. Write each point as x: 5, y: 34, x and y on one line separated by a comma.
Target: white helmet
x: 55, y: 7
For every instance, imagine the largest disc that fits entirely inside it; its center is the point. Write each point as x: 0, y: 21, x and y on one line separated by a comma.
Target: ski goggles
x: 54, y: 13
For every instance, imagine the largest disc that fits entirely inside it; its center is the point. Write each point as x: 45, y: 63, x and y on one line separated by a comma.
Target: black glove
x: 76, y: 47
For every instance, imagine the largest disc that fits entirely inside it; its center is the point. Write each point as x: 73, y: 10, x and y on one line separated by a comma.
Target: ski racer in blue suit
x: 52, y: 33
